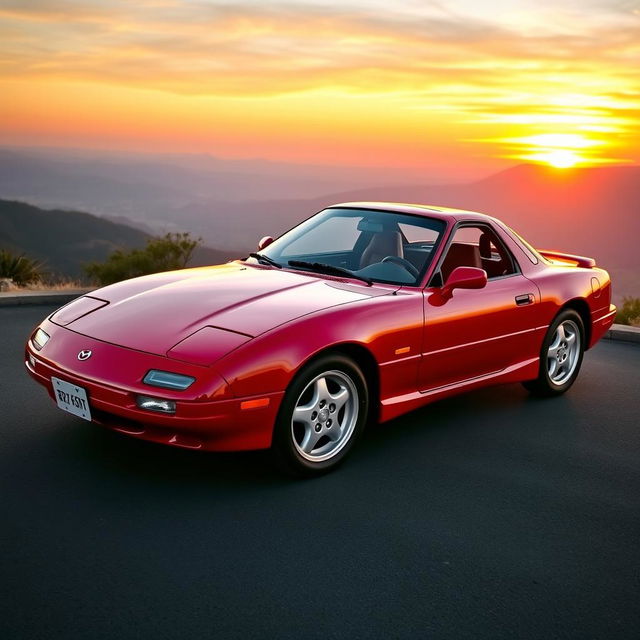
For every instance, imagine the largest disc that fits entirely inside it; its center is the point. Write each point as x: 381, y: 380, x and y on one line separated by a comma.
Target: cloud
x: 435, y: 56
x: 255, y: 48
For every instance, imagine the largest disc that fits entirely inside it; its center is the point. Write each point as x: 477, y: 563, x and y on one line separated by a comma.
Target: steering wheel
x: 403, y: 263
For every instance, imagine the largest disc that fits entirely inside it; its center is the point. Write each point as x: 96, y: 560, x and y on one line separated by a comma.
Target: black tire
x: 555, y: 379
x: 332, y: 416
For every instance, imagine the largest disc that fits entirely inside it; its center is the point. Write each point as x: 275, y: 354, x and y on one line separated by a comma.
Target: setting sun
x: 562, y: 158
x: 560, y: 150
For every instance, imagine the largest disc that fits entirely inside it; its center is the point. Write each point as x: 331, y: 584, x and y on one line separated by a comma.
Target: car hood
x: 154, y: 313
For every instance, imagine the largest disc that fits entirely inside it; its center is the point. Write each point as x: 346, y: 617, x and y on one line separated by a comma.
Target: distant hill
x: 149, y: 188
x: 65, y: 240
x: 589, y: 211
x: 593, y: 212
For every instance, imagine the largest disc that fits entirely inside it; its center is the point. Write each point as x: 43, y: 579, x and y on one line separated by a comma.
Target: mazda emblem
x: 85, y: 354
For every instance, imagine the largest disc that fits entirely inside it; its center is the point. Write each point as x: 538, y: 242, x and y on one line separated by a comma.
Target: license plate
x: 71, y: 398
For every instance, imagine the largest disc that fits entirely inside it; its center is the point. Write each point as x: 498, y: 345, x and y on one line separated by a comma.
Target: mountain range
x: 593, y: 212
x: 587, y: 211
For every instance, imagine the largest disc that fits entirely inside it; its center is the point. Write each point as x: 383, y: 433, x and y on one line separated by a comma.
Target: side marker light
x: 255, y: 404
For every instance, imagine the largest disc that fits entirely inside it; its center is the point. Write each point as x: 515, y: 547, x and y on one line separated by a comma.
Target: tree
x: 169, y: 252
x: 20, y: 269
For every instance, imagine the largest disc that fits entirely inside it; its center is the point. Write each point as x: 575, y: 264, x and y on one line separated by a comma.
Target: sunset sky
x: 460, y: 84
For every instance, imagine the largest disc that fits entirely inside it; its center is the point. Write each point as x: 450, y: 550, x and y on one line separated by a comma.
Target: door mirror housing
x: 264, y: 242
x: 464, y: 278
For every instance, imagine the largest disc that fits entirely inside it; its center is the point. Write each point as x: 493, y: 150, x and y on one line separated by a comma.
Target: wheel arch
x: 580, y: 306
x: 367, y: 363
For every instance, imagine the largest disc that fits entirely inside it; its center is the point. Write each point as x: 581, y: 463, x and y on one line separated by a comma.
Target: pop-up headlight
x: 207, y: 345
x: 77, y: 309
x: 168, y: 380
x: 40, y: 338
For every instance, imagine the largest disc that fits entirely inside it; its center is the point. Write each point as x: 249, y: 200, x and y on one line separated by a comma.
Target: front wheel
x: 560, y: 356
x: 323, y: 412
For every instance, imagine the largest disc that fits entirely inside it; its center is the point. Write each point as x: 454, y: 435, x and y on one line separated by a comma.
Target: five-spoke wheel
x: 560, y: 356
x: 563, y: 352
x: 323, y: 412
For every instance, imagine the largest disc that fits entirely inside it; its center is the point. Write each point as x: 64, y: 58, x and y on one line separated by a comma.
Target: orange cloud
x: 432, y: 74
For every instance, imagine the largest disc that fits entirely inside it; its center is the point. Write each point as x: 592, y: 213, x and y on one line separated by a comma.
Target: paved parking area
x: 490, y: 515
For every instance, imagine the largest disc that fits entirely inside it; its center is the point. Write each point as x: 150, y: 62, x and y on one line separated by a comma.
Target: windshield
x: 372, y: 245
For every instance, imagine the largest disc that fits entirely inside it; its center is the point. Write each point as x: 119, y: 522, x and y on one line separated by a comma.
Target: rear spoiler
x: 567, y: 258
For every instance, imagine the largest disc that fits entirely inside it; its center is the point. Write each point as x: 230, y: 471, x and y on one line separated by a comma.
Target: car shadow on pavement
x: 120, y: 456
x: 452, y: 424
x: 458, y: 415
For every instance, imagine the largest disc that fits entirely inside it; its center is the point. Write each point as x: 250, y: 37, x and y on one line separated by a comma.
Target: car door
x: 477, y: 332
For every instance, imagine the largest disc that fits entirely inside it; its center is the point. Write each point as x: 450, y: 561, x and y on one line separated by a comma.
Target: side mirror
x: 264, y: 243
x: 464, y: 278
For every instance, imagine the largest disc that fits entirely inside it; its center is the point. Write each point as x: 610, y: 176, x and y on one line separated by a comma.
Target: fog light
x: 40, y: 338
x: 32, y: 361
x: 156, y: 404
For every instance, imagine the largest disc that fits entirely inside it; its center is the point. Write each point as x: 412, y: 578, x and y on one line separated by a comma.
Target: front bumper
x: 208, y: 418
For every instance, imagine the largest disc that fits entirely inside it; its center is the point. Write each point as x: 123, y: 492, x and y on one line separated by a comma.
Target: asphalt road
x: 490, y: 515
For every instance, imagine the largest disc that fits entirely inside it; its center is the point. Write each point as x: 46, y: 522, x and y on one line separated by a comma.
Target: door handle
x: 525, y: 298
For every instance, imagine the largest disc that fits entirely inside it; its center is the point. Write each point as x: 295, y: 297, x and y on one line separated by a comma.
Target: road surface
x: 489, y: 515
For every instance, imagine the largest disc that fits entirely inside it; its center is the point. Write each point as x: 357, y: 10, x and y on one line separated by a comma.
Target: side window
x: 418, y: 242
x: 415, y: 234
x: 495, y: 258
x: 478, y: 246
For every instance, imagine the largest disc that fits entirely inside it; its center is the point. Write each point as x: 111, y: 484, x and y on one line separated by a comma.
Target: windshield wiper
x: 262, y: 259
x: 330, y: 269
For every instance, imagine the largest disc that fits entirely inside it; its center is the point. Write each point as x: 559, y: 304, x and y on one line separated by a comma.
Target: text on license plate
x: 71, y: 398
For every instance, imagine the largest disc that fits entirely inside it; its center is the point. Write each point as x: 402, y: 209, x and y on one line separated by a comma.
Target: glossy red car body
x: 243, y: 331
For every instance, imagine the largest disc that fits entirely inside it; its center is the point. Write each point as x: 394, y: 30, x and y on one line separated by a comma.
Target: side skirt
x: 393, y: 407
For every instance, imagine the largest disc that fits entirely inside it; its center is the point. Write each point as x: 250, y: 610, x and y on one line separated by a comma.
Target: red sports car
x: 361, y: 313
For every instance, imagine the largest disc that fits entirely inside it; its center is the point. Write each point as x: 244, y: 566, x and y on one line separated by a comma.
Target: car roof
x: 432, y: 211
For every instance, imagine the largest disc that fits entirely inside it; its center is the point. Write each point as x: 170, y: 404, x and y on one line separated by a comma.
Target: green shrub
x: 171, y: 251
x: 20, y: 269
x: 629, y: 313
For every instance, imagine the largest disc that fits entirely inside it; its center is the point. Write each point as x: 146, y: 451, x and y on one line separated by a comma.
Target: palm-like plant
x: 19, y: 268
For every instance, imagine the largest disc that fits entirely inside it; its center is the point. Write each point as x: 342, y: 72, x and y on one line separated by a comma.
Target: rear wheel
x: 322, y: 415
x: 560, y: 356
